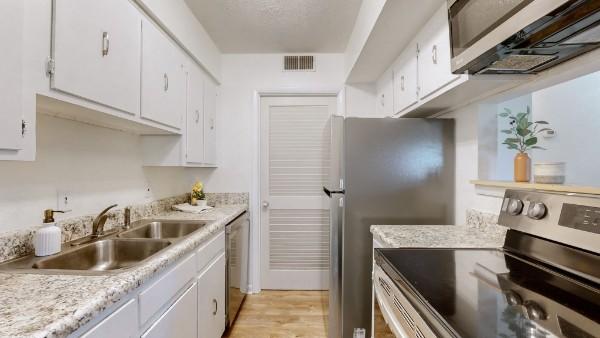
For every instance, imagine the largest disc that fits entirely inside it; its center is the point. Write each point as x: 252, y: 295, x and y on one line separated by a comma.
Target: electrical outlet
x: 64, y: 200
x: 148, y: 193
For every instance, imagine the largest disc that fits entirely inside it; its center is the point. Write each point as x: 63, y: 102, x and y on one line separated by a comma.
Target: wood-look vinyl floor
x: 282, y: 314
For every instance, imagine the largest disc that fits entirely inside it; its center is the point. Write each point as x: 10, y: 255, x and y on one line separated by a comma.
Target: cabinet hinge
x: 50, y: 66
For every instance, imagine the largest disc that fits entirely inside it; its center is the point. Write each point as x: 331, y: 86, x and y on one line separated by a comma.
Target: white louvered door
x: 295, y: 161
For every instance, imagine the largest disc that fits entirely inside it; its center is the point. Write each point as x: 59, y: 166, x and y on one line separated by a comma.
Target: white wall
x: 98, y: 166
x: 243, y: 77
x: 573, y: 109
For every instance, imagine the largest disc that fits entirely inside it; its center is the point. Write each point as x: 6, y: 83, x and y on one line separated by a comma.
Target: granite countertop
x: 479, y: 232
x: 35, y: 305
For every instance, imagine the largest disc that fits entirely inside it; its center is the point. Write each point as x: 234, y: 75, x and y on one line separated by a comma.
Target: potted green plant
x: 523, y: 136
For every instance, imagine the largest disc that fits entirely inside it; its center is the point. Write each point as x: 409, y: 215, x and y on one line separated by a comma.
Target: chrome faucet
x: 98, y: 224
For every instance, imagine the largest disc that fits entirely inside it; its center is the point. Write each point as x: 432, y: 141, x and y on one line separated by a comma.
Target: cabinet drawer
x: 120, y: 324
x: 179, y: 320
x: 160, y: 292
x: 210, y: 250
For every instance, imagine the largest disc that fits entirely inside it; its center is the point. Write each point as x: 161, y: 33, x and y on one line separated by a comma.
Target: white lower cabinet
x: 186, y: 301
x: 211, y: 300
x: 120, y: 324
x: 179, y: 320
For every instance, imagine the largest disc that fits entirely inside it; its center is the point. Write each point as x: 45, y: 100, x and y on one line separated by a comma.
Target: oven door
x: 478, y: 26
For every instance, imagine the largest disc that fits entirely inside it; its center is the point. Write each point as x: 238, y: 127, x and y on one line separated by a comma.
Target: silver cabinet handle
x: 166, y: 77
x: 105, y: 43
x: 265, y: 204
x: 216, y: 307
x: 402, y: 82
x: 197, y: 116
x: 434, y: 55
x: 212, y: 124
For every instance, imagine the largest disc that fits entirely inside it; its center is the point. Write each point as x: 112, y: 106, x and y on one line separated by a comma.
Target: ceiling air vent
x: 298, y: 63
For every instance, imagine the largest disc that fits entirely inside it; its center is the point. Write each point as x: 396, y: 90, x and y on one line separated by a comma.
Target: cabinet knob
x: 197, y: 116
x: 402, y: 82
x: 434, y: 57
x: 166, y: 77
x: 216, y: 307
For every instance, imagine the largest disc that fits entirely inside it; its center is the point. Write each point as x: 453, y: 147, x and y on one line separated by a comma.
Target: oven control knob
x: 513, y: 298
x: 515, y: 207
x: 537, y: 211
x: 534, y: 311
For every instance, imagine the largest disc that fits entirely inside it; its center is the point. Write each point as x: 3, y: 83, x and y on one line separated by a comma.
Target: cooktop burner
x: 491, y: 293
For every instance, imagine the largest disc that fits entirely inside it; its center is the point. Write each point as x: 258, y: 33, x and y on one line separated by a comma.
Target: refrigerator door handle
x: 331, y: 192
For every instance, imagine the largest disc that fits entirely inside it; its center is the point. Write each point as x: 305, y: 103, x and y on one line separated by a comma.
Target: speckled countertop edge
x: 481, y: 231
x: 57, y: 305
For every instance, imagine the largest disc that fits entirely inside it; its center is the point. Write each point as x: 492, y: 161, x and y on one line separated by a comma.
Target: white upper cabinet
x: 210, y: 122
x: 385, y: 94
x: 163, y: 78
x: 96, y: 52
x: 195, y: 116
x: 434, y: 54
x: 11, y: 81
x: 405, y: 79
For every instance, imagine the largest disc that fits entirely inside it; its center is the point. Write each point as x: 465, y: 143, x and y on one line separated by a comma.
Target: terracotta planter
x: 522, y: 168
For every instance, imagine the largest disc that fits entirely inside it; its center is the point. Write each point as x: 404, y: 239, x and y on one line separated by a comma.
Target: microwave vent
x: 518, y: 63
x: 299, y: 63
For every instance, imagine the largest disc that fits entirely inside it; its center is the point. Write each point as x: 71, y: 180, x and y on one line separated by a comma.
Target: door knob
x: 265, y: 204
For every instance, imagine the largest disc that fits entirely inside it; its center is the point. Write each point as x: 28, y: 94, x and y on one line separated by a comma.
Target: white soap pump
x: 48, y: 239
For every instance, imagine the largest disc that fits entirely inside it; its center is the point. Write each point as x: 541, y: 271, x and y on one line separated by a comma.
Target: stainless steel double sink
x: 110, y: 253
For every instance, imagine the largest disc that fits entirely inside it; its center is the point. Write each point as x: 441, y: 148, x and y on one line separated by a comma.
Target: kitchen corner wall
x: 467, y: 158
x: 95, y: 165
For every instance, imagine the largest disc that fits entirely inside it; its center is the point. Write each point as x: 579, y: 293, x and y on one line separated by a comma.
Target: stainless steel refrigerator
x: 384, y: 171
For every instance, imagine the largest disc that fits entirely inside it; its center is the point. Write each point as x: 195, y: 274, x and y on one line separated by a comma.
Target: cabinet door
x: 179, y: 320
x: 434, y: 54
x: 120, y: 324
x: 405, y: 79
x: 195, y: 116
x: 211, y: 300
x: 163, y: 78
x: 11, y: 68
x: 210, y: 122
x: 96, y: 47
x: 385, y: 94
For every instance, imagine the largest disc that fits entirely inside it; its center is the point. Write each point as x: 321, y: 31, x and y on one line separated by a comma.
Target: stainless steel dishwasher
x: 237, y: 237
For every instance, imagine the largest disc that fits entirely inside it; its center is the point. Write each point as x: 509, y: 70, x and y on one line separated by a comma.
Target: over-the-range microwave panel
x: 520, y: 36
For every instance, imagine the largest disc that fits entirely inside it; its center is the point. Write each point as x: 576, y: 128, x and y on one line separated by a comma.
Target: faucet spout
x: 98, y: 224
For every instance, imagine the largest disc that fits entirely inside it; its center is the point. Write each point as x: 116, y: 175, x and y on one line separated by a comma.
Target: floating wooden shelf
x: 537, y: 186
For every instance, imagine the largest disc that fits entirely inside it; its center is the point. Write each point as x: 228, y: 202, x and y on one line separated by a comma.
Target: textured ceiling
x: 277, y: 26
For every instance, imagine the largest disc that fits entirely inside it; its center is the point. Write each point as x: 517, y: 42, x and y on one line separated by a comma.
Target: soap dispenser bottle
x: 48, y: 239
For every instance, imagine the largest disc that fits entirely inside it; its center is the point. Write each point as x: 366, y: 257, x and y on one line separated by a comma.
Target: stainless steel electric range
x: 544, y: 282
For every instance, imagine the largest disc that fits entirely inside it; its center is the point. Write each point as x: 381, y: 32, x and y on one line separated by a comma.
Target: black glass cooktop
x: 482, y: 293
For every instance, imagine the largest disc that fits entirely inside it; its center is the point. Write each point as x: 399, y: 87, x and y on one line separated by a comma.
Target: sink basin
x: 104, y: 255
x: 164, y: 230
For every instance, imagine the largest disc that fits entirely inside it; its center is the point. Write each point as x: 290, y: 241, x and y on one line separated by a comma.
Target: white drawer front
x: 120, y: 324
x: 209, y: 251
x: 164, y: 289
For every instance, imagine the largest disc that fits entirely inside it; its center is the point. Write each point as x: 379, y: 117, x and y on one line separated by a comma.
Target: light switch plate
x: 64, y: 200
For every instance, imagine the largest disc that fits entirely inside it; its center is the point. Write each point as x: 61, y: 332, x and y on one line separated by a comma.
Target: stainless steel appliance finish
x: 384, y: 171
x: 520, y: 36
x: 544, y: 282
x: 237, y: 252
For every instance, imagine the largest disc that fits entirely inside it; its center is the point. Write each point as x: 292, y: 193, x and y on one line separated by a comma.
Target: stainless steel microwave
x: 520, y: 36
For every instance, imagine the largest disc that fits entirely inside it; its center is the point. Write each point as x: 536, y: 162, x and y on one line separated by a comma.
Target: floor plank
x: 282, y: 314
